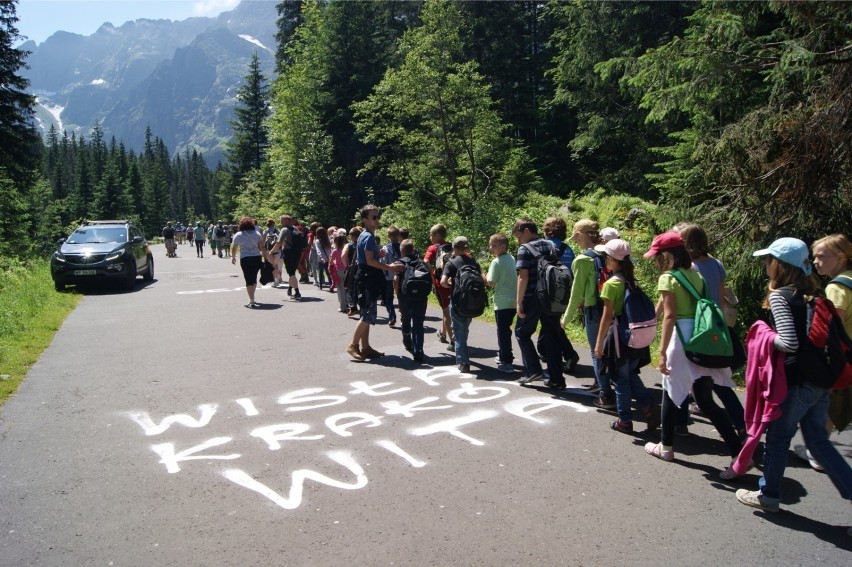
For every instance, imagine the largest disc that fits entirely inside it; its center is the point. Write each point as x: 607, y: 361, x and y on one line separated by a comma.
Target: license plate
x: 84, y: 272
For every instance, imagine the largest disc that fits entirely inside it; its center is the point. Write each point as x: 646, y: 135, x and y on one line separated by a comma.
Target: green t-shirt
x: 502, y: 273
x: 684, y: 304
x: 613, y: 290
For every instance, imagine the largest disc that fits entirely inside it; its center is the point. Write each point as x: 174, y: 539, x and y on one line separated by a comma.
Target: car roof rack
x: 108, y: 222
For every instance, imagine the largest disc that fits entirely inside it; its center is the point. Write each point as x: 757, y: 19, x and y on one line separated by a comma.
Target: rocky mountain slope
x: 179, y: 78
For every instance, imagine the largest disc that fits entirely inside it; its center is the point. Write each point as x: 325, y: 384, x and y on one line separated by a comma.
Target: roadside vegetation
x: 30, y: 314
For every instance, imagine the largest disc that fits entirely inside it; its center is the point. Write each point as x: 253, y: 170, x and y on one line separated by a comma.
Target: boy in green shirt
x: 503, y: 277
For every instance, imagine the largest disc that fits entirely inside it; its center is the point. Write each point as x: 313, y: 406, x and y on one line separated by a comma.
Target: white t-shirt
x: 247, y: 241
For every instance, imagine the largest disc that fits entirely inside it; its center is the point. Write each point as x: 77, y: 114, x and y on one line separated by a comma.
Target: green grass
x: 30, y: 314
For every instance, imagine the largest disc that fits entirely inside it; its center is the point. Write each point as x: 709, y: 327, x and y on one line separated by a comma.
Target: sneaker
x: 289, y: 291
x: 354, y: 352
x: 297, y: 296
x: 622, y: 426
x: 507, y: 368
x: 528, y: 379
x: 451, y: 347
x: 251, y: 305
x: 392, y: 323
x: 681, y: 430
x: 656, y: 450
x: 604, y: 402
x: 442, y: 337
x: 551, y: 384
x: 569, y: 366
x: 464, y: 368
x: 418, y: 356
x: 754, y: 499
x: 803, y: 453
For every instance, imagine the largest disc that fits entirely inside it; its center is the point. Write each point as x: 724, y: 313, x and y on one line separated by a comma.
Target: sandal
x: 622, y: 426
x: 656, y: 450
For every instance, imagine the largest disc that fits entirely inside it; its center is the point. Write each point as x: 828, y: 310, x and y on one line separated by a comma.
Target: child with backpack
x: 622, y: 359
x: 436, y: 253
x: 503, y: 277
x: 555, y: 231
x: 679, y: 372
x: 461, y: 275
x: 589, y: 274
x: 791, y: 290
x: 412, y: 286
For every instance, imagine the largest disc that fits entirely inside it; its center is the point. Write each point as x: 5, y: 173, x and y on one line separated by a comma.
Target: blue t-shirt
x: 366, y: 242
x: 567, y: 257
x: 525, y: 259
x: 714, y: 275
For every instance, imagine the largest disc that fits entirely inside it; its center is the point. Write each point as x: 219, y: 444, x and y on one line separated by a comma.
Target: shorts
x: 291, y: 261
x: 250, y: 266
x: 443, y: 295
x: 367, y: 301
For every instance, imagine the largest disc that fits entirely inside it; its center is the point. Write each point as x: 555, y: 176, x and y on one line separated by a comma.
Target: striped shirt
x: 785, y: 326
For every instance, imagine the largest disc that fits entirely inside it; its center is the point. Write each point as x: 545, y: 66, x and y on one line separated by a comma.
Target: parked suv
x: 102, y: 250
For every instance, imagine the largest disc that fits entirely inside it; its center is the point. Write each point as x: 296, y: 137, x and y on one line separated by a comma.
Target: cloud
x: 213, y: 7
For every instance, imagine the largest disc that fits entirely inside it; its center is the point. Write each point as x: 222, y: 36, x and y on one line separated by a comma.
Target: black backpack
x: 469, y: 297
x: 554, y: 281
x: 416, y: 279
x: 220, y: 232
x: 168, y: 233
x: 351, y: 269
x: 300, y: 241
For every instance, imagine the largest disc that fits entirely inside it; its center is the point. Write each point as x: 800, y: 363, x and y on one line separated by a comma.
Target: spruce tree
x: 247, y: 148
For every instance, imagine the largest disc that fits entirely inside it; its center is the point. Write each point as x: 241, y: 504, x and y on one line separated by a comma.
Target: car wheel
x: 58, y: 286
x: 149, y: 269
x: 131, y: 276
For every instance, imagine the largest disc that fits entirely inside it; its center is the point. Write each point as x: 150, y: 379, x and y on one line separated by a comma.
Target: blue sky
x: 39, y: 19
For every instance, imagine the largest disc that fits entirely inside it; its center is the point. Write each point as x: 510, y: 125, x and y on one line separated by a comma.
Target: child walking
x: 503, y: 277
x: 790, y: 288
x: 623, y: 370
x: 412, y: 307
x: 679, y: 373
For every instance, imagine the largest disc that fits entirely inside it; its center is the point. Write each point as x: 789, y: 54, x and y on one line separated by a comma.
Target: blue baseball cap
x: 790, y: 251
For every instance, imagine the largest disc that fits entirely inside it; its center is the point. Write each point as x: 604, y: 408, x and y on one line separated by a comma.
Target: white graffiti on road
x: 462, y: 425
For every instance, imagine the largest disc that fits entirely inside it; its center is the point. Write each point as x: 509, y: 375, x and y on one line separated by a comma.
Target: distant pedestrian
x: 199, y: 236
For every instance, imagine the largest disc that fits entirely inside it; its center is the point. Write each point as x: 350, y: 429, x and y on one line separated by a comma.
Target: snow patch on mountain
x: 255, y: 41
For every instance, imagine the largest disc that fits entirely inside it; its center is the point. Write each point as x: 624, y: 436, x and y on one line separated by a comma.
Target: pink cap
x: 617, y: 249
x: 664, y: 241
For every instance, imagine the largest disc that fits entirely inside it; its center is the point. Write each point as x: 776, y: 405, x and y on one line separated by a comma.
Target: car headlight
x: 58, y: 256
x: 117, y: 255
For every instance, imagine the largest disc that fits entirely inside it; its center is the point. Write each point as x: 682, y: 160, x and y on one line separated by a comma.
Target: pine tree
x: 247, y: 148
x: 19, y: 143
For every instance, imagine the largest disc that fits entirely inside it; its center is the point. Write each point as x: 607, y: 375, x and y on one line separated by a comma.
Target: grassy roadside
x: 30, y: 314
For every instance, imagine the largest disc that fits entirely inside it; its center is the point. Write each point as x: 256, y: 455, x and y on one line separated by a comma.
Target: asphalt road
x: 172, y: 426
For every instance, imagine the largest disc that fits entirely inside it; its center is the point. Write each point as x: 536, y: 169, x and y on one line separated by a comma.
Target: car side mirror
x: 137, y: 240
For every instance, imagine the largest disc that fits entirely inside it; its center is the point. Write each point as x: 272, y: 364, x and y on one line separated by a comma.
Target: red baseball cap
x: 664, y: 241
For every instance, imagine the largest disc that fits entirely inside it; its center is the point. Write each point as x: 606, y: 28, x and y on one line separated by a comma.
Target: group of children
x: 603, y: 275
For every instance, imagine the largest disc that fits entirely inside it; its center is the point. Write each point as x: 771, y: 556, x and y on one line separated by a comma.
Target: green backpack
x: 710, y: 345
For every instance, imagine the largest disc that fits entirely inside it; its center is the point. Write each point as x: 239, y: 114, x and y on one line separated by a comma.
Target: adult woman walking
x: 250, y: 244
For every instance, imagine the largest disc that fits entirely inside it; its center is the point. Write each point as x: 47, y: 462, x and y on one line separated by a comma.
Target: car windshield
x: 90, y: 235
